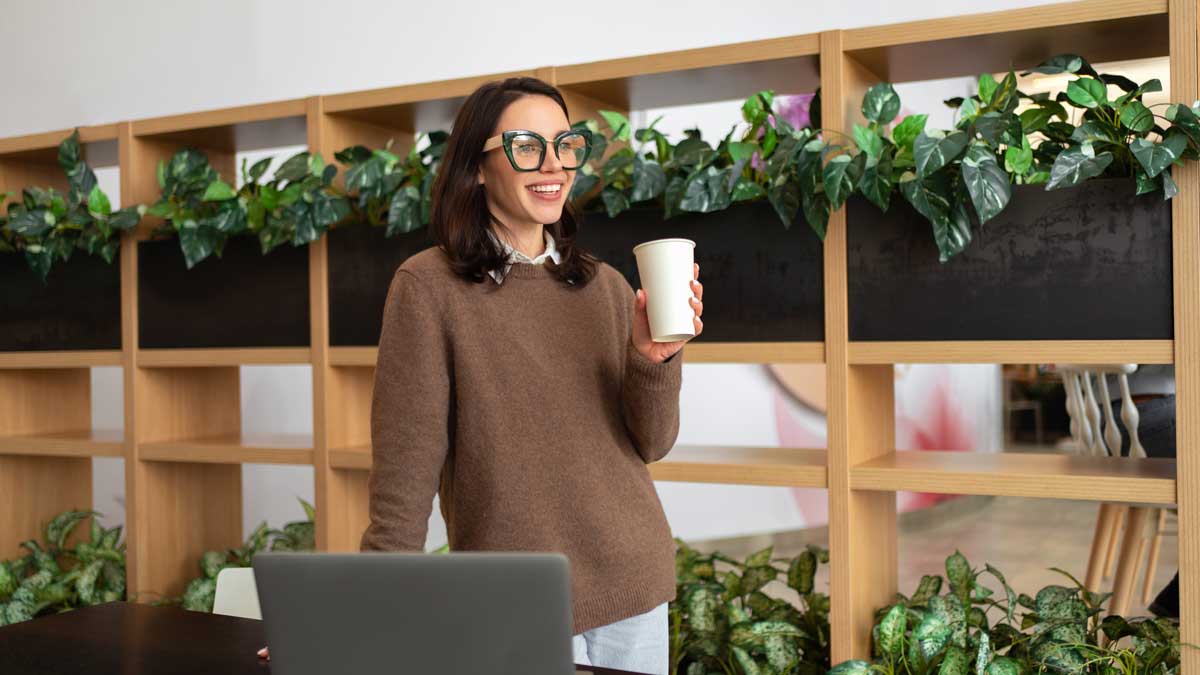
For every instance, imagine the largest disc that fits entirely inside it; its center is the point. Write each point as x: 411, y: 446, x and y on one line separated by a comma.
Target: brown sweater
x: 525, y: 407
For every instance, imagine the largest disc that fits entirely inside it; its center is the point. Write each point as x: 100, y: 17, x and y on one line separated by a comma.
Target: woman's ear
x: 480, y: 177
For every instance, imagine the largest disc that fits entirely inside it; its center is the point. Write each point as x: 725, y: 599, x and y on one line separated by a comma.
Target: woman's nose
x: 552, y: 164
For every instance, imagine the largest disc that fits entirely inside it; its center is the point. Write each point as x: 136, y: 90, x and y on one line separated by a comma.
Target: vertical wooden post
x: 1185, y: 211
x: 860, y: 412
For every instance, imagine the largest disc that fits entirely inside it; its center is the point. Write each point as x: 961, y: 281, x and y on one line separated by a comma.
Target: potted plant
x: 738, y: 201
x: 1046, y: 223
x: 205, y: 278
x: 724, y: 622
x: 54, y: 577
x: 972, y: 628
x: 389, y: 199
x: 58, y: 257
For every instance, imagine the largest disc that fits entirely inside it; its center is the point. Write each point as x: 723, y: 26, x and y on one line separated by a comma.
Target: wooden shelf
x: 1017, y: 351
x: 42, y: 148
x: 423, y: 106
x: 736, y: 465
x: 1099, y: 30
x: 697, y: 352
x: 733, y: 465
x: 723, y: 72
x: 352, y: 457
x: 233, y: 449
x: 65, y: 359
x: 1049, y: 476
x: 241, y: 356
x: 246, y: 127
x: 85, y: 443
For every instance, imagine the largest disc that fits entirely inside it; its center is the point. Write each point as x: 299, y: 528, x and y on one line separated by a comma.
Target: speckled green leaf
x: 802, y: 571
x: 891, y: 631
x: 702, y: 609
x: 930, y: 586
x: 854, y: 667
x: 757, y: 577
x: 955, y: 662
x: 983, y: 655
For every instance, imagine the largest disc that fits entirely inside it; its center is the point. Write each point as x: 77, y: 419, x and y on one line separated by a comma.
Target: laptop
x: 493, y: 612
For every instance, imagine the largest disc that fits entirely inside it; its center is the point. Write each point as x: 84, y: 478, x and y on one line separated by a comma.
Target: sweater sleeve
x: 410, y: 418
x: 650, y: 398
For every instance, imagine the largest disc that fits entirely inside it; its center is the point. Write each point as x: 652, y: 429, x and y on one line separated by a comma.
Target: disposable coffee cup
x: 665, y: 269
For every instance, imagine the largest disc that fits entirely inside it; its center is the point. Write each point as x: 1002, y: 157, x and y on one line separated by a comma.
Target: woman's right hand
x: 264, y: 654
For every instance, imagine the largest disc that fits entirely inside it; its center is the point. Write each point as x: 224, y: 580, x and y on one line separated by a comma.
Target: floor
x: 1022, y: 538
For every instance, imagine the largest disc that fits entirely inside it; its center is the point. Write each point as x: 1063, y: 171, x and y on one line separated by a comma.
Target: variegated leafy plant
x: 45, y: 225
x: 53, y: 577
x: 722, y: 622
x: 769, y: 159
x: 971, y: 629
x: 296, y: 206
x: 387, y: 190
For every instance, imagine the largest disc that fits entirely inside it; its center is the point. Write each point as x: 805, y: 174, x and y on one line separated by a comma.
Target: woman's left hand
x: 661, y: 351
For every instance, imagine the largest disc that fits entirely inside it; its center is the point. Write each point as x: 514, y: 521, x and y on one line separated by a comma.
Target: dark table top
x: 128, y: 638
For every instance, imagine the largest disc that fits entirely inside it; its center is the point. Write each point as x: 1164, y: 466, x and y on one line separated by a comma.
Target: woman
x: 517, y: 380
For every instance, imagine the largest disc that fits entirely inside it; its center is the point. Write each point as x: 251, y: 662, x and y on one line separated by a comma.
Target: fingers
x: 697, y: 306
x: 699, y: 326
x: 695, y: 270
x: 264, y: 654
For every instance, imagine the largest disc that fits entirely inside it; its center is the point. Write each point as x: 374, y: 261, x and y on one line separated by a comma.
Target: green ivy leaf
x: 908, y: 130
x: 876, y: 182
x: 218, y: 191
x: 1154, y: 157
x: 1075, y: 165
x: 618, y: 123
x: 1137, y: 117
x: 881, y: 103
x: 1087, y: 92
x: 934, y: 149
x: 986, y: 182
x: 987, y: 86
x: 1018, y: 160
x: 869, y: 141
x: 258, y: 169
x: 649, y: 179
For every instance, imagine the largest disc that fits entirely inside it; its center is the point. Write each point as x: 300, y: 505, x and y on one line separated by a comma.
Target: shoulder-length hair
x: 460, y: 219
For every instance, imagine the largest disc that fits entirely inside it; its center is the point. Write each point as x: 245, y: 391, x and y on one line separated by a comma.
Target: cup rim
x: 663, y: 241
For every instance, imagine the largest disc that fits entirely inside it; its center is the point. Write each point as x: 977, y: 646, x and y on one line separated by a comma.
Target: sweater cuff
x: 646, y: 374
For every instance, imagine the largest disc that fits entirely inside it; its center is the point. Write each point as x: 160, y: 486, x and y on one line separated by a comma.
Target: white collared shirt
x: 514, y: 255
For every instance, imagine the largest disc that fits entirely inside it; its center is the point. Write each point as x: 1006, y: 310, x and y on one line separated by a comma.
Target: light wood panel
x: 730, y: 465
x: 244, y: 127
x: 1185, y: 258
x: 1100, y: 30
x: 1026, y: 351
x: 233, y: 449
x: 233, y: 356
x: 32, y: 159
x: 60, y: 359
x: 34, y: 489
x: 1048, y: 476
x: 860, y: 414
x: 74, y: 443
x: 721, y: 72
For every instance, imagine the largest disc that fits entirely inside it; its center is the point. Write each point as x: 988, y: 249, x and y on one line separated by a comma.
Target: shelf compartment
x: 84, y: 358
x: 246, y: 127
x: 737, y: 465
x: 1004, y: 474
x: 424, y: 106
x: 1098, y: 30
x: 1015, y: 351
x: 697, y: 352
x: 236, y: 356
x: 233, y: 449
x: 84, y: 443
x: 722, y: 72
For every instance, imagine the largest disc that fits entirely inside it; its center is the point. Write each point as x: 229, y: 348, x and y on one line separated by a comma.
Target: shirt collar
x: 515, y: 256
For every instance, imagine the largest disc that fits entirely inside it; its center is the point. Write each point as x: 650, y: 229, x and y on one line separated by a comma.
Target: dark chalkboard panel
x: 79, y: 307
x: 762, y: 282
x: 361, y: 264
x: 241, y: 299
x: 1092, y: 262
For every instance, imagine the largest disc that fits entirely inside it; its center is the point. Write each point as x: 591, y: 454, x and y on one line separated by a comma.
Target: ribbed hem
x: 646, y: 374
x: 619, y: 603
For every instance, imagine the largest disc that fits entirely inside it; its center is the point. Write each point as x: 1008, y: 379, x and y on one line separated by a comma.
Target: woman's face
x: 509, y: 192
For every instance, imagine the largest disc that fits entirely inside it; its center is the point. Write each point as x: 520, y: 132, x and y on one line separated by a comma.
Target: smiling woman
x: 517, y: 379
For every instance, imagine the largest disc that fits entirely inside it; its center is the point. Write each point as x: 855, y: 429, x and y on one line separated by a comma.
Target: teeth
x: 545, y: 188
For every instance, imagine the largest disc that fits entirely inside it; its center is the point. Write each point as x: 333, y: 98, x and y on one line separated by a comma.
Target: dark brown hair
x: 460, y: 219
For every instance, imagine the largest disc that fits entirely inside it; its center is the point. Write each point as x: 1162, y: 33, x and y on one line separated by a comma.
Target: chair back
x: 1093, y: 425
x: 237, y: 594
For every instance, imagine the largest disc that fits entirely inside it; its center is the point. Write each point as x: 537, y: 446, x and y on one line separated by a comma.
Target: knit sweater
x: 526, y: 408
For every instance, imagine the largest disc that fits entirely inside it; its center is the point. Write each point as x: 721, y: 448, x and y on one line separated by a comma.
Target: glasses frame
x: 504, y: 140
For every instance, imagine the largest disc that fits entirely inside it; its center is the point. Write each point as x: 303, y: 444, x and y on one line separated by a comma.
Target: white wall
x: 87, y: 63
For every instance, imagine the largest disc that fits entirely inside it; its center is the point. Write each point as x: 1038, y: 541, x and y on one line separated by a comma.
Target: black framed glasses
x: 526, y: 150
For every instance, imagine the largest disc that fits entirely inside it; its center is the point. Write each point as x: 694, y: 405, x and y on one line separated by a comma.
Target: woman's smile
x: 547, y: 191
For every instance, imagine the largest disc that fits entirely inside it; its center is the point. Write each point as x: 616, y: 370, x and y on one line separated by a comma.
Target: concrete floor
x: 1022, y: 538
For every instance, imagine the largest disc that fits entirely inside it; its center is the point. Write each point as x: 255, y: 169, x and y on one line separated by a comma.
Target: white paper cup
x: 665, y: 269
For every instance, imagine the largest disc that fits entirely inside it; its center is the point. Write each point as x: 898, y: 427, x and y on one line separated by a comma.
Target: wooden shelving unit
x: 183, y: 443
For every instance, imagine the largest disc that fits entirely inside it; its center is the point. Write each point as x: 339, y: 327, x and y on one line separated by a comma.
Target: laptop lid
x: 498, y: 613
